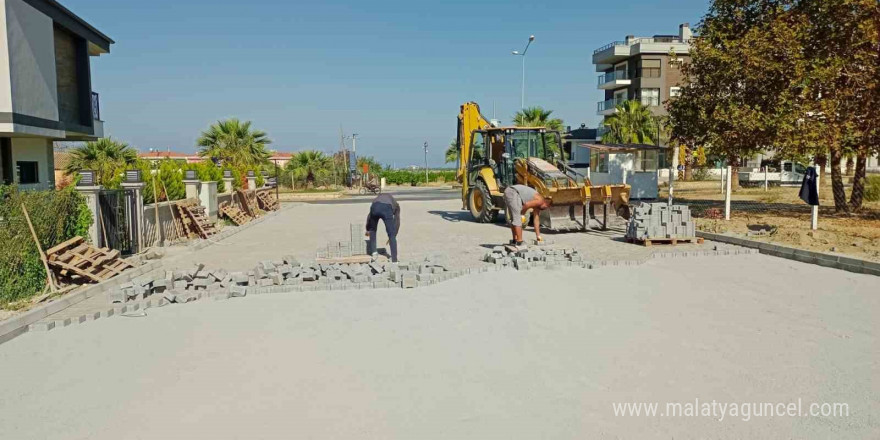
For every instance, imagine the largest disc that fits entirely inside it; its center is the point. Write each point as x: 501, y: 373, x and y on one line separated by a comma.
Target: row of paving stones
x: 346, y: 277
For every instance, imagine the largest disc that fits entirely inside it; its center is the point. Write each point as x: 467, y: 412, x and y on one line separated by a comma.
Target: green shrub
x: 169, y: 173
x: 208, y: 172
x: 700, y: 174
x: 410, y: 177
x: 872, y: 189
x: 56, y: 216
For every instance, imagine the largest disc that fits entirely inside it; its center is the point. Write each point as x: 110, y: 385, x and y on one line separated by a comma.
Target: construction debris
x: 527, y: 257
x: 234, y: 214
x: 77, y: 262
x: 196, y: 222
x: 660, y: 222
x: 180, y: 286
x: 267, y: 201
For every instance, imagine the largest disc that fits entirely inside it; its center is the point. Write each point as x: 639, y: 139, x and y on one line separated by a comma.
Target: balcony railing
x: 613, y: 76
x: 96, y: 107
x: 633, y: 41
x: 609, y: 104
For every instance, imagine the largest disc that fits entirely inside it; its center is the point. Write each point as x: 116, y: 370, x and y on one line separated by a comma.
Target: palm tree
x: 633, y: 123
x: 234, y: 143
x: 452, y: 152
x: 537, y: 117
x: 107, y: 157
x: 309, y: 165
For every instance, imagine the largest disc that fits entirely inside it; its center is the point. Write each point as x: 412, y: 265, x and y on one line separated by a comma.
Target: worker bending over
x: 518, y: 200
x: 386, y: 208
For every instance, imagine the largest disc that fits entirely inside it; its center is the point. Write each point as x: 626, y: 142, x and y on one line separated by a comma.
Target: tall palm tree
x: 309, y: 165
x: 234, y: 143
x: 107, y: 157
x: 537, y: 117
x: 633, y: 123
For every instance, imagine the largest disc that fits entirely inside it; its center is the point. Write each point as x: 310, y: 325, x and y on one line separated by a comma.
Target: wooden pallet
x: 232, y: 212
x: 77, y: 262
x: 267, y: 201
x: 248, y: 203
x: 196, y: 222
x: 673, y: 241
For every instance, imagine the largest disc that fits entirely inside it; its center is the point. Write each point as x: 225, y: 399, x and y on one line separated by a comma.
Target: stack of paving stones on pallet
x: 527, y: 257
x: 181, y: 286
x: 357, y: 245
x: 659, y: 221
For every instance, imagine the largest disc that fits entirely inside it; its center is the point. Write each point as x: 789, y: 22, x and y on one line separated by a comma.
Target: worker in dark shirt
x: 386, y: 208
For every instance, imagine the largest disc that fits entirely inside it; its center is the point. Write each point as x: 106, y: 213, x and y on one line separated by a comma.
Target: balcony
x: 614, y: 80
x: 97, y: 122
x: 609, y: 106
x: 620, y: 50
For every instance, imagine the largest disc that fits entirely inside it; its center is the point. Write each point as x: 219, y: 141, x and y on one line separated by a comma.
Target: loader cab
x: 499, y: 148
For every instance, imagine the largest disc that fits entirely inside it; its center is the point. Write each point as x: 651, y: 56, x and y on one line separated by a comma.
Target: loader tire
x: 480, y: 203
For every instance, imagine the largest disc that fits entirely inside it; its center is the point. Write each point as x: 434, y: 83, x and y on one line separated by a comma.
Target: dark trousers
x: 385, y: 212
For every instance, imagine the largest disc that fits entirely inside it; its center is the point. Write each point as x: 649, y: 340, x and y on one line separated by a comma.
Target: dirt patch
x: 780, y: 216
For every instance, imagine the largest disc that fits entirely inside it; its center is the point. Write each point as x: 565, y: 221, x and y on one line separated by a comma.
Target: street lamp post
x: 426, y: 162
x: 522, y: 100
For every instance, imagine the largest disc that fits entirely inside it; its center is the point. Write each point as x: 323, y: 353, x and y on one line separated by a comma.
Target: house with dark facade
x: 46, y: 90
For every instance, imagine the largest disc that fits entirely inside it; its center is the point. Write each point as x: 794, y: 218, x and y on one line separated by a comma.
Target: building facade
x: 646, y: 69
x: 45, y: 87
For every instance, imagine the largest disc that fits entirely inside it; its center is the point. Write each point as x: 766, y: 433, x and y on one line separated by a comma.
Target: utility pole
x: 354, y: 156
x: 426, y: 162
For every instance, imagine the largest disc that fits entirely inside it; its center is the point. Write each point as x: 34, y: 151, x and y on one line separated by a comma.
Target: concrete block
x: 408, y: 280
x: 41, y: 326
x: 265, y: 282
x: 237, y: 291
x: 64, y: 322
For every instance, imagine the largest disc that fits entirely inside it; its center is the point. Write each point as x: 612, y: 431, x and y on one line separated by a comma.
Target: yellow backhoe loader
x: 491, y: 158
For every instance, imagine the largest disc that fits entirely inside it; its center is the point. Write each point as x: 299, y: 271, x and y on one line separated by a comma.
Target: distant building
x: 280, y: 158
x: 45, y: 87
x: 155, y: 156
x: 641, y: 68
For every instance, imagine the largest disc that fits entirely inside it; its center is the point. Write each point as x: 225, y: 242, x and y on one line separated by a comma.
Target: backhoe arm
x: 469, y: 119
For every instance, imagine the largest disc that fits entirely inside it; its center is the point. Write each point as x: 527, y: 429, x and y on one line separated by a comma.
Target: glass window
x: 649, y: 97
x: 527, y: 143
x: 478, y: 150
x: 27, y: 172
x: 598, y: 161
x: 800, y: 169
x: 649, y: 68
x: 786, y: 167
x: 646, y: 160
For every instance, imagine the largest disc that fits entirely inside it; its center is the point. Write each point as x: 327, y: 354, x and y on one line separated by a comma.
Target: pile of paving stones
x: 527, y: 257
x: 180, y: 286
x: 651, y: 221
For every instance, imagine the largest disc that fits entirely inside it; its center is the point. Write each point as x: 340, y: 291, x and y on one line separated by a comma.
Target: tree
x: 537, y: 117
x: 107, y: 157
x: 309, y: 166
x: 373, y: 166
x: 235, y: 144
x: 452, y: 152
x: 632, y: 123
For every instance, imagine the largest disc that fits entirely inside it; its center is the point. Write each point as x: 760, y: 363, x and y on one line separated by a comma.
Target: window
x: 478, y: 149
x: 27, y: 172
x: 648, y: 69
x: 800, y: 169
x: 674, y: 92
x: 646, y: 160
x: 598, y: 161
x: 786, y: 167
x: 649, y: 96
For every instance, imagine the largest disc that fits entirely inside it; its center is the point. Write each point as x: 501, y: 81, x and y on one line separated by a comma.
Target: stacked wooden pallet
x: 232, y: 212
x: 267, y: 201
x: 248, y: 203
x: 196, y: 222
x: 77, y: 262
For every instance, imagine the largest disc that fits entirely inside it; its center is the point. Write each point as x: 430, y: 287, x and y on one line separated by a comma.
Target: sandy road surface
x: 507, y: 355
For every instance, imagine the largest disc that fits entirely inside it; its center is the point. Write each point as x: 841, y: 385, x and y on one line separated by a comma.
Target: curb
x: 849, y: 264
x: 434, y: 279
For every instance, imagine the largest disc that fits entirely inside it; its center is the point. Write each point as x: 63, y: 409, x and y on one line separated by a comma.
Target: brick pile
x: 180, y: 286
x: 527, y: 257
x: 655, y: 221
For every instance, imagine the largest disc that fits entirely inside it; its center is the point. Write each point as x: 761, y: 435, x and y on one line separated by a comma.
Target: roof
x: 280, y: 155
x: 165, y: 155
x: 72, y: 22
x: 582, y: 133
x: 623, y: 147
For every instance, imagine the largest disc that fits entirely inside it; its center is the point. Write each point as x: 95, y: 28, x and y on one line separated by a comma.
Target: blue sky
x: 394, y: 72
